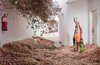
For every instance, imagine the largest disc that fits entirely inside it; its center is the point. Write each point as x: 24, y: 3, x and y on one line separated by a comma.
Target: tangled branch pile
x: 28, y: 52
x: 41, y: 8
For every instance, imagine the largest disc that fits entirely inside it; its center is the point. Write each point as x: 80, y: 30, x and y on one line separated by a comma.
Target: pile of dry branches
x: 41, y: 8
x: 26, y: 52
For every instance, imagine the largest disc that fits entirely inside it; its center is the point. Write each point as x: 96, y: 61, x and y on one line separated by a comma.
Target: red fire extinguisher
x: 4, y: 23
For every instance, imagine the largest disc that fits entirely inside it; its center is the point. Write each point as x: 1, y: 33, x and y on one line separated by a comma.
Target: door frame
x: 91, y: 26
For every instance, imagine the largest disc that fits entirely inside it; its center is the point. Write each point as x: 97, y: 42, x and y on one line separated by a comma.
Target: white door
x: 94, y: 26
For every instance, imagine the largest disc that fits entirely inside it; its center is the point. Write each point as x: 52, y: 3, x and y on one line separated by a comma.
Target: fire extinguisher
x: 4, y: 23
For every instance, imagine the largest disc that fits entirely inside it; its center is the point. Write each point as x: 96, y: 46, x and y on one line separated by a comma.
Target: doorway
x: 93, y: 26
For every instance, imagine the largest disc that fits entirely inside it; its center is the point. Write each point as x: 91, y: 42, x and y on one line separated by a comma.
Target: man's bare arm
x: 81, y: 32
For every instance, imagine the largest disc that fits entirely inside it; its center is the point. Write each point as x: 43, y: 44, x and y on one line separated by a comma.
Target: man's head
x: 75, y: 20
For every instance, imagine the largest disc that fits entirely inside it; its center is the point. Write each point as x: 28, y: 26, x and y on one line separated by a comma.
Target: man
x: 77, y: 34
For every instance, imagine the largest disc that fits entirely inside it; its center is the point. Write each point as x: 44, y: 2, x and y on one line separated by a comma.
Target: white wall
x: 77, y: 9
x: 98, y: 23
x: 16, y: 27
x: 95, y: 4
x: 62, y: 25
x: 62, y: 21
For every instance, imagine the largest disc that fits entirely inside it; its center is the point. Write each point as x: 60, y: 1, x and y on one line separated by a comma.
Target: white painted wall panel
x: 78, y: 9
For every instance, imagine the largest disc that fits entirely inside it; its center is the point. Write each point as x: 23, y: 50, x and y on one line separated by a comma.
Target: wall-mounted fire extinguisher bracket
x: 4, y: 23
